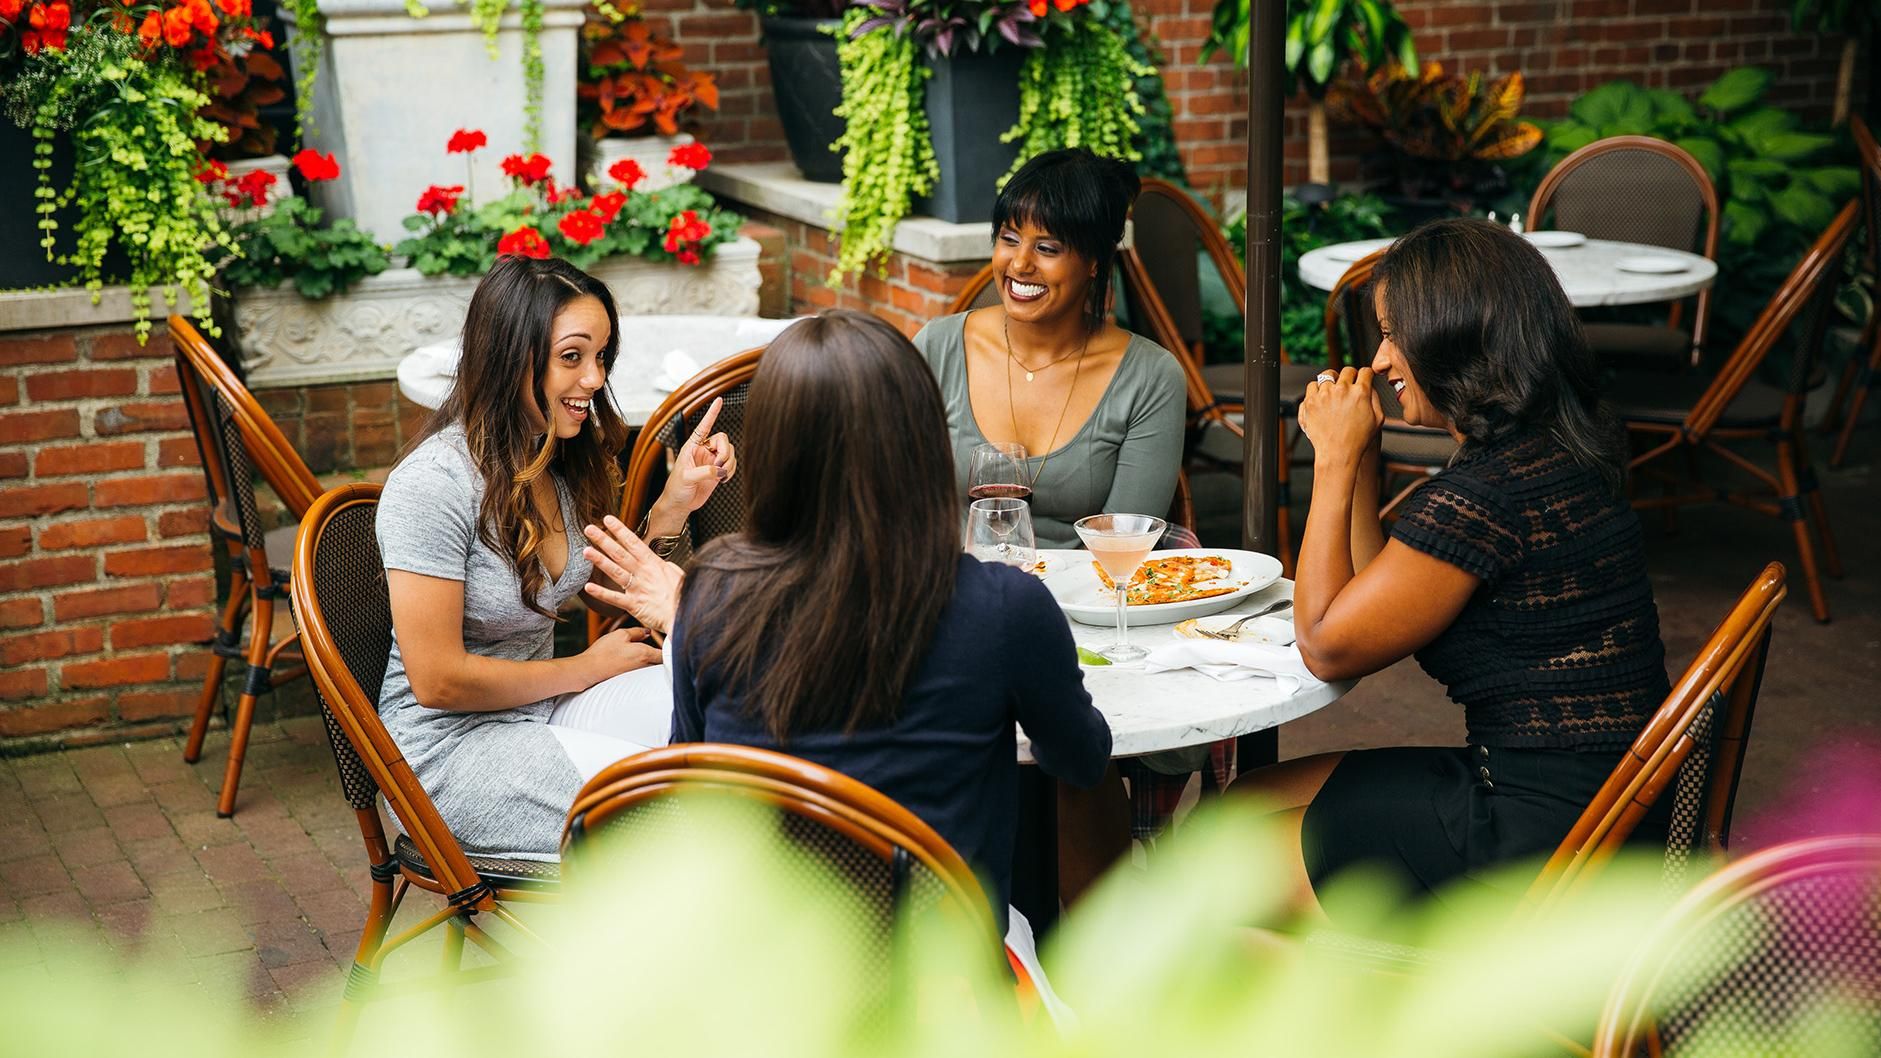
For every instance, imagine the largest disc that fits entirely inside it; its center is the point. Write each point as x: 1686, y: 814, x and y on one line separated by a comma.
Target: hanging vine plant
x: 888, y: 157
x: 1078, y: 91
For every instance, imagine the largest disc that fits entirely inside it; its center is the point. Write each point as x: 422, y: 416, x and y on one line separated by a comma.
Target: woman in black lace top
x: 1516, y: 575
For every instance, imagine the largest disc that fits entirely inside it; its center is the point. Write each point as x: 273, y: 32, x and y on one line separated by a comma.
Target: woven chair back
x: 1631, y: 189
x: 1170, y: 232
x: 241, y: 420
x: 1712, y: 704
x: 345, y: 617
x: 1778, y: 953
x: 670, y: 424
x: 831, y: 825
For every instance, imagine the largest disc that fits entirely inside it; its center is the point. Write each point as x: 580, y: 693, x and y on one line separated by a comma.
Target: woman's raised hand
x: 1342, y: 415
x: 646, y: 585
x: 703, y: 461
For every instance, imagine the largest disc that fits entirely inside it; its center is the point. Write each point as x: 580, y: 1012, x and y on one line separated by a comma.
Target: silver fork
x: 1233, y: 631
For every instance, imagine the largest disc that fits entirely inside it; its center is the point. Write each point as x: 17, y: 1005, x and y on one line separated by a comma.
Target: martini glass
x: 1120, y: 543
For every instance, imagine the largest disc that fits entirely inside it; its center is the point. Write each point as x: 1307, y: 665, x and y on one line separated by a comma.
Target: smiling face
x: 574, y: 373
x: 1041, y: 278
x: 1391, y: 365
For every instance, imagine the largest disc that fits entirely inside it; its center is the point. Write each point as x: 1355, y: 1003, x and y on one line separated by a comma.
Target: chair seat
x: 1651, y: 346
x: 1418, y: 445
x: 1227, y: 382
x: 279, y: 543
x: 1664, y: 400
x: 498, y: 871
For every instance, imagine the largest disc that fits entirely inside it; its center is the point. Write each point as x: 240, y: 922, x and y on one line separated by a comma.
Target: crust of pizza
x: 1175, y: 578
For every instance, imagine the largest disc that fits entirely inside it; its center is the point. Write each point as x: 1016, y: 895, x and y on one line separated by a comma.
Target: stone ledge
x: 777, y: 187
x: 42, y: 310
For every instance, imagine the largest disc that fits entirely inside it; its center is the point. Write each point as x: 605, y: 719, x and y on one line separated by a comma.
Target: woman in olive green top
x: 1100, y: 410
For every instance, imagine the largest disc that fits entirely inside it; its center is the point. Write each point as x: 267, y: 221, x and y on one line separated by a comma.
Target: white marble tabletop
x: 1589, y: 273
x: 1151, y: 712
x: 638, y: 382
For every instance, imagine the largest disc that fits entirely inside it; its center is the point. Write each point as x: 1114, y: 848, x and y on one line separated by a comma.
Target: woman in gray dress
x: 1099, y: 410
x: 474, y: 529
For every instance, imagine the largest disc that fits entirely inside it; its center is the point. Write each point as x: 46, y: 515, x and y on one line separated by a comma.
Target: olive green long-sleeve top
x: 1123, y: 460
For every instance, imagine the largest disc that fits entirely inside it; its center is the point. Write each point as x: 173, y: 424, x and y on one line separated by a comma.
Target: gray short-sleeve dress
x: 1123, y: 460
x: 501, y: 780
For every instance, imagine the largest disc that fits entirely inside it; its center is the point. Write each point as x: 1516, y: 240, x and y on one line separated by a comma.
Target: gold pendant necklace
x: 1012, y: 408
x: 1006, y: 331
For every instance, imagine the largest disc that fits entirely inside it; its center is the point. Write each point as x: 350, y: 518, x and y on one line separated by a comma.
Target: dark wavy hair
x: 508, y: 331
x: 1494, y: 343
x: 824, y: 606
x: 1080, y: 197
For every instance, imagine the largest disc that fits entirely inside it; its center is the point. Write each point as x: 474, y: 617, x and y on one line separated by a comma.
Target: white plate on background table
x: 1653, y: 264
x: 1347, y: 252
x: 1083, y: 597
x: 1555, y: 240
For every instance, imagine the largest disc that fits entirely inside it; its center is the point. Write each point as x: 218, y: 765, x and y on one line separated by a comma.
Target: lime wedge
x: 1091, y: 657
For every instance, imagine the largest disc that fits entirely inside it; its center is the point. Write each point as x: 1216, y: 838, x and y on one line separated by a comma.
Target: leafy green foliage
x: 1302, y: 308
x: 134, y: 126
x: 306, y: 42
x: 888, y: 157
x: 1078, y: 91
x: 1155, y: 140
x: 1779, y: 183
x: 291, y: 243
x: 1320, y: 33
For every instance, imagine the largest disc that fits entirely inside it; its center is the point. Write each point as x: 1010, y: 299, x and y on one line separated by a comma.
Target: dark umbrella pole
x: 1260, y: 454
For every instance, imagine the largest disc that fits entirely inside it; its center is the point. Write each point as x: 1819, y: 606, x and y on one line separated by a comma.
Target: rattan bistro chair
x: 1641, y: 190
x: 896, y: 863
x: 1776, y: 954
x: 1862, y: 375
x: 665, y: 430
x: 345, y: 620
x: 1688, y: 415
x: 236, y: 439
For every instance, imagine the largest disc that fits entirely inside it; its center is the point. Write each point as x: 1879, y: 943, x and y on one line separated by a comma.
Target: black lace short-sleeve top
x: 1560, y: 646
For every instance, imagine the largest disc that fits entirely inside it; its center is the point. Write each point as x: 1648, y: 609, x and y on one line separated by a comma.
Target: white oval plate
x: 1652, y: 264
x: 1347, y: 252
x: 1083, y: 599
x: 1555, y: 240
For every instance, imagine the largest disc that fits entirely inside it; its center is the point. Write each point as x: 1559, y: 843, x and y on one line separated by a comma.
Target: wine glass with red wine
x: 999, y: 472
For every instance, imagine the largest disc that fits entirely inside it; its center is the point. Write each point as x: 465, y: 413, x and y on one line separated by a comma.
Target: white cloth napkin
x: 1233, y: 661
x: 675, y: 368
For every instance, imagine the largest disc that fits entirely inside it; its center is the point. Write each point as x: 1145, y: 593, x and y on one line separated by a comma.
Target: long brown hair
x: 826, y: 603
x: 507, y: 334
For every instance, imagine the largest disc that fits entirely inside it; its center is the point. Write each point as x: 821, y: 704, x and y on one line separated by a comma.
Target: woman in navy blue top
x: 844, y: 625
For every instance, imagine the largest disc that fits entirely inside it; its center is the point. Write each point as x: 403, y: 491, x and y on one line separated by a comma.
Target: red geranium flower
x: 50, y: 21
x: 626, y: 173
x: 523, y: 242
x: 684, y: 233
x: 236, y: 8
x: 1038, y: 8
x: 212, y: 172
x: 151, y: 30
x: 315, y: 166
x: 176, y: 27
x: 438, y: 200
x: 531, y: 170
x: 690, y: 156
x: 463, y: 141
x: 251, y: 189
x: 201, y: 17
x: 608, y: 206
x: 582, y: 227
x: 689, y: 256
x: 10, y: 10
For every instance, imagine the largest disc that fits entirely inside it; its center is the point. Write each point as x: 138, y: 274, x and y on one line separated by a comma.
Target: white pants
x: 616, y: 718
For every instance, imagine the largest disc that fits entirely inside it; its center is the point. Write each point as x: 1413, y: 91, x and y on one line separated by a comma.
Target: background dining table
x: 1150, y: 712
x: 1590, y: 272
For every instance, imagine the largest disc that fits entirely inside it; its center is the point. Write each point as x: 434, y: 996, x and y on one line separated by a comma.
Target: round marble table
x: 1589, y: 273
x: 637, y: 383
x: 1153, y: 711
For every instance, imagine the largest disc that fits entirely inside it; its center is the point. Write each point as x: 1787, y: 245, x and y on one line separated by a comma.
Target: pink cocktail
x: 1120, y: 543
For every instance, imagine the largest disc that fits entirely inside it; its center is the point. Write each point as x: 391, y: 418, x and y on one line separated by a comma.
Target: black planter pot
x: 972, y: 98
x: 808, y: 83
x: 22, y: 260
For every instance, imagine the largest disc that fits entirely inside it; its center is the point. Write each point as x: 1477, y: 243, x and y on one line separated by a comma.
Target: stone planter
x: 392, y: 88
x: 286, y: 339
x: 808, y: 82
x: 650, y: 152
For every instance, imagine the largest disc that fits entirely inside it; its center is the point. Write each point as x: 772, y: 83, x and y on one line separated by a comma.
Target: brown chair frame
x: 649, y: 455
x: 1793, y: 480
x: 363, y: 745
x: 253, y: 588
x: 1708, y: 194
x: 1861, y: 377
x: 1208, y: 234
x: 1628, y: 1024
x: 1725, y: 677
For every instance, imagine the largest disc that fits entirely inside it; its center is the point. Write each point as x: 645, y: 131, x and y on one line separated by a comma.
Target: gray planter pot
x: 808, y: 83
x: 972, y: 98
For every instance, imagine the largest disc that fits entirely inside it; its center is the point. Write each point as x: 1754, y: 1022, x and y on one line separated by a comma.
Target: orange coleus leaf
x: 261, y: 64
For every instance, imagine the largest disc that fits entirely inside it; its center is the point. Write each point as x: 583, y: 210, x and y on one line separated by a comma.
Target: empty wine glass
x: 1120, y: 543
x: 999, y: 472
x: 1000, y: 530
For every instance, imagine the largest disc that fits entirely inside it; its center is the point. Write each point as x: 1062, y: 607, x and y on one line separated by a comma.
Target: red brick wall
x: 722, y: 40
x: 908, y: 294
x: 106, y: 580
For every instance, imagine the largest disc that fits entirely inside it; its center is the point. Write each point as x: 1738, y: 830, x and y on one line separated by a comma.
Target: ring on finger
x: 1326, y: 376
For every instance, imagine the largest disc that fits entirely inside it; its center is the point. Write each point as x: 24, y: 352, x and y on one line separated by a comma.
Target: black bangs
x: 1080, y: 198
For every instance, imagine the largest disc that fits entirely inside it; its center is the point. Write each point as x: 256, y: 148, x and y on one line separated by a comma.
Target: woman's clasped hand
x: 1342, y: 415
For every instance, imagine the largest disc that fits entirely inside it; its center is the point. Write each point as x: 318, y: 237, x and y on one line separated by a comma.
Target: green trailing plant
x: 1155, y: 141
x: 1779, y: 182
x: 888, y: 157
x: 1321, y: 34
x: 1078, y: 91
x: 306, y: 43
x: 1347, y: 218
x: 134, y: 124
